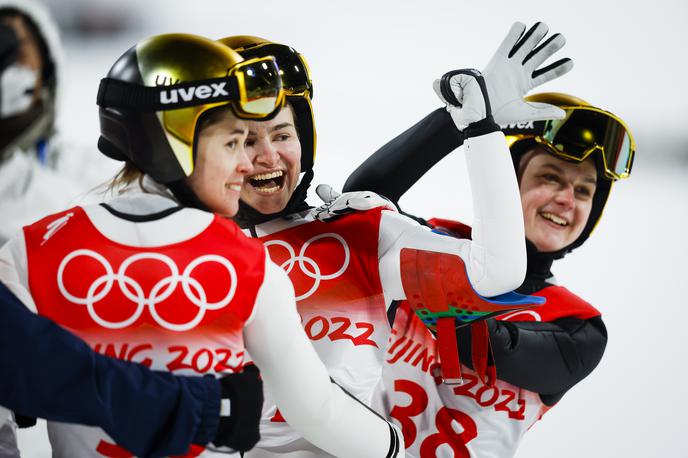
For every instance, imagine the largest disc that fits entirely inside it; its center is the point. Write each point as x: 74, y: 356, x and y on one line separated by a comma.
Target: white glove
x: 469, y: 102
x: 513, y: 71
x: 337, y: 204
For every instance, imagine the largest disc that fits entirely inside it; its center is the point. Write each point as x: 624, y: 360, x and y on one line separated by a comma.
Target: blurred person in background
x: 565, y: 168
x: 37, y: 174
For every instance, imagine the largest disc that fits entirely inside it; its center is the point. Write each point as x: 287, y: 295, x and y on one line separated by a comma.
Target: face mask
x: 17, y: 86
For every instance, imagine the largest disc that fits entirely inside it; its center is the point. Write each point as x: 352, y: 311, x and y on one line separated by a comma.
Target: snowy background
x: 373, y: 64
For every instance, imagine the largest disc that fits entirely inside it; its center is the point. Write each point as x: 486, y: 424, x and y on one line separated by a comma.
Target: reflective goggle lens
x: 586, y: 130
x: 260, y: 86
x: 292, y: 67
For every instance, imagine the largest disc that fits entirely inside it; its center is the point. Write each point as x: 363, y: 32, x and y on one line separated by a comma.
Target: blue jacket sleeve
x: 48, y: 372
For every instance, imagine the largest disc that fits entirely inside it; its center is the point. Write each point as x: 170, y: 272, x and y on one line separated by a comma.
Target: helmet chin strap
x: 249, y: 216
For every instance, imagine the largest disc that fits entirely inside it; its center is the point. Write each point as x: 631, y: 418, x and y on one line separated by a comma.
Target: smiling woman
x: 556, y: 197
x: 566, y: 168
x: 221, y: 162
x: 275, y: 151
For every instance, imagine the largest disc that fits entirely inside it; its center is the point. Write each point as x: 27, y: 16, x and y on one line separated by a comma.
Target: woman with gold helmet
x: 153, y: 276
x: 565, y: 167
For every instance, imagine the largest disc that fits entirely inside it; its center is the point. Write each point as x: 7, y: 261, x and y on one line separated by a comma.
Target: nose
x: 566, y: 197
x: 244, y: 166
x: 266, y: 154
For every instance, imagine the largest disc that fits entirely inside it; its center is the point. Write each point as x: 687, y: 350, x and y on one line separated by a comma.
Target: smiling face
x: 556, y: 196
x: 221, y: 162
x: 275, y: 152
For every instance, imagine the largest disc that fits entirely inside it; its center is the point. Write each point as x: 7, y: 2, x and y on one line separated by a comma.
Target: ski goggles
x: 293, y: 68
x: 252, y: 87
x: 585, y: 130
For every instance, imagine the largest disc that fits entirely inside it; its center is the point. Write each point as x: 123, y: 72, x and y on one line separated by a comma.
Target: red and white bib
x: 180, y: 307
x: 334, y: 269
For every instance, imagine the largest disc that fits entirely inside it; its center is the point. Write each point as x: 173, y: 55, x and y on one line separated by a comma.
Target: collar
x: 538, y: 273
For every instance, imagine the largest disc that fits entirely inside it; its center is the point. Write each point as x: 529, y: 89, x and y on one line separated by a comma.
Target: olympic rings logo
x: 308, y: 265
x: 132, y: 290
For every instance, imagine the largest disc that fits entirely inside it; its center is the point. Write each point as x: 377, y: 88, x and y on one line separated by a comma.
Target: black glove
x: 244, y: 391
x: 23, y: 421
x: 9, y: 46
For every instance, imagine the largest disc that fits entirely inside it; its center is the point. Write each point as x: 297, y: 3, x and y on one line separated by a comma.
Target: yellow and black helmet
x: 156, y: 92
x: 296, y: 81
x: 585, y: 131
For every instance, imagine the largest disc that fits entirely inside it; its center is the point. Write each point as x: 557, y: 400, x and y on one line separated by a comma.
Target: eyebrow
x: 281, y: 126
x: 587, y: 179
x: 239, y: 131
x: 274, y: 128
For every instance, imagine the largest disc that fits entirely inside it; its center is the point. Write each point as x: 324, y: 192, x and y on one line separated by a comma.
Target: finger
x: 537, y: 56
x: 543, y: 112
x: 468, y: 87
x: 326, y: 192
x: 552, y: 71
x: 436, y: 87
x: 529, y: 40
x: 515, y: 32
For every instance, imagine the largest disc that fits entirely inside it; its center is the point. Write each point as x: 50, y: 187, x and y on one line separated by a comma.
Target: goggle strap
x: 114, y: 93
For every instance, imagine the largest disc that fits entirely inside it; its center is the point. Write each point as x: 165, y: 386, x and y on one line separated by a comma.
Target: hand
x: 238, y: 427
x: 465, y: 94
x: 337, y: 204
x: 513, y: 71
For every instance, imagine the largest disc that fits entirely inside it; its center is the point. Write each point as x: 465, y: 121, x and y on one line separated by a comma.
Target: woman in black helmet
x: 152, y: 276
x: 565, y: 168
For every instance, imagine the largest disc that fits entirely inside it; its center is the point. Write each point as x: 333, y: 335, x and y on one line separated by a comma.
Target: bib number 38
x: 445, y: 418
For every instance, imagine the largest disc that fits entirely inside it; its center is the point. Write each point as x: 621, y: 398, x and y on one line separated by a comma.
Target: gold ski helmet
x: 156, y: 92
x: 296, y: 81
x: 586, y: 131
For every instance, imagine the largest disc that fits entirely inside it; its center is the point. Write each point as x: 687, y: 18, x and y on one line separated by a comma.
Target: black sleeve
x: 546, y: 358
x: 395, y: 167
x: 48, y: 372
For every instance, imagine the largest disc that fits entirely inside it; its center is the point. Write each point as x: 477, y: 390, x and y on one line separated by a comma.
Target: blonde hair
x: 127, y: 175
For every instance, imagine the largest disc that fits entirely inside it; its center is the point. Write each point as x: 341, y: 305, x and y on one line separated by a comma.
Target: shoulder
x: 235, y: 233
x: 53, y: 222
x: 560, y: 303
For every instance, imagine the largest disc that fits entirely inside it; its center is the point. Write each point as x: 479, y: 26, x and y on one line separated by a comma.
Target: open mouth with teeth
x: 269, y: 182
x: 554, y: 219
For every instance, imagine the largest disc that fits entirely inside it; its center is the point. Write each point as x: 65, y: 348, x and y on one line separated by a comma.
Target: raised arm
x: 407, y: 157
x: 514, y: 69
x: 310, y: 401
x: 495, y: 259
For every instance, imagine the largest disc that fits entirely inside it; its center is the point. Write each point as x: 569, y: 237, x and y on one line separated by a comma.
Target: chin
x: 548, y: 245
x: 228, y: 212
x: 267, y: 207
